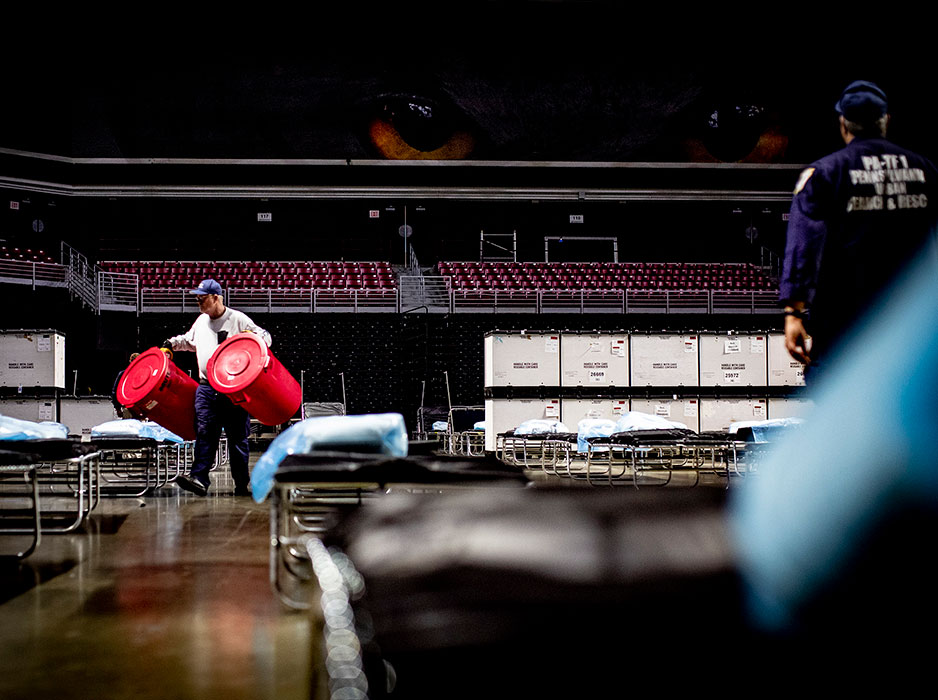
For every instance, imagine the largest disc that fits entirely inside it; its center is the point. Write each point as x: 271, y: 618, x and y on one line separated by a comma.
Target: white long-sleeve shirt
x: 203, y: 337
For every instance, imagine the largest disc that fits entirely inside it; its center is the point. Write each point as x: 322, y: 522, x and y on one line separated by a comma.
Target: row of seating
x: 260, y: 275
x: 461, y: 276
x: 605, y: 276
x: 243, y: 266
x: 25, y: 255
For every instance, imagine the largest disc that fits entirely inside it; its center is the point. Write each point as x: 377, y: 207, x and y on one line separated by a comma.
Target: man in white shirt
x: 214, y: 411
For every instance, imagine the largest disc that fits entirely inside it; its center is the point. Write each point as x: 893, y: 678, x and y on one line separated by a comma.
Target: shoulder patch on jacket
x: 803, y: 179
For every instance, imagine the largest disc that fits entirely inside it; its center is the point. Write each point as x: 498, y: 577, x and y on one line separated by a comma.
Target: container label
x: 731, y: 346
x: 44, y: 344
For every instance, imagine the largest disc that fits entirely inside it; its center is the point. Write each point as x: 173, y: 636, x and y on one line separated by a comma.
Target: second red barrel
x: 244, y: 369
x: 153, y: 387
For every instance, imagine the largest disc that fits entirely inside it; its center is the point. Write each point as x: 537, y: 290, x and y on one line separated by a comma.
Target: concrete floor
x: 164, y: 596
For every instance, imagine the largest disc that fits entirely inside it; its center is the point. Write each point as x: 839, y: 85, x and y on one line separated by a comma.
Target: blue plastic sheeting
x: 378, y: 433
x: 865, y: 451
x: 540, y: 426
x: 593, y: 427
x: 630, y: 420
x: 636, y: 420
x: 135, y: 428
x: 18, y: 429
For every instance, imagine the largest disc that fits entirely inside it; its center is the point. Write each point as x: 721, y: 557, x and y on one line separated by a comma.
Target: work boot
x: 191, y: 485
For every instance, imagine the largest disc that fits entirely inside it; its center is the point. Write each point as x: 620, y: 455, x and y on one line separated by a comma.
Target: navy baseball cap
x: 207, y: 287
x: 862, y: 101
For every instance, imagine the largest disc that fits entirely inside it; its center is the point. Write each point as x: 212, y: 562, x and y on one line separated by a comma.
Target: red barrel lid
x: 236, y: 363
x: 142, y: 376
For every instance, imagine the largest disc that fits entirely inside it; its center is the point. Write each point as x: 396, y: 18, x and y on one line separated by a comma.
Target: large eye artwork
x: 736, y: 131
x: 412, y: 127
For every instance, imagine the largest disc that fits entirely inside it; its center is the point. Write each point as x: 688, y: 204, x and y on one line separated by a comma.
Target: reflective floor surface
x: 164, y: 596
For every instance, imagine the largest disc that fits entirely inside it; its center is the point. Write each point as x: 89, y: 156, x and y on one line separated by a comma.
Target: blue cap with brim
x: 862, y: 101
x: 207, y: 287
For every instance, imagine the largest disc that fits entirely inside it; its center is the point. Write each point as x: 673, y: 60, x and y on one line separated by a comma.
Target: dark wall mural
x: 538, y: 81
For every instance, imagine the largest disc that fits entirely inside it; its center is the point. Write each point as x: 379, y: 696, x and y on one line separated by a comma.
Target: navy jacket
x: 857, y: 217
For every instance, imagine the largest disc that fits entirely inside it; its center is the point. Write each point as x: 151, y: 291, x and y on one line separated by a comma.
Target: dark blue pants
x: 214, y: 411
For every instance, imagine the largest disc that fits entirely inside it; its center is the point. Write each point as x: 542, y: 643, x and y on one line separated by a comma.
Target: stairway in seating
x: 420, y: 291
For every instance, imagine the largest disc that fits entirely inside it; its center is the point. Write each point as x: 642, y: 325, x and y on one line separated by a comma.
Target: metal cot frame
x: 311, y: 493
x: 637, y: 459
x: 59, y: 472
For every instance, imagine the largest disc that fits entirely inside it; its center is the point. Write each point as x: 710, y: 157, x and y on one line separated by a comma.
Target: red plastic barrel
x: 155, y: 388
x: 244, y: 369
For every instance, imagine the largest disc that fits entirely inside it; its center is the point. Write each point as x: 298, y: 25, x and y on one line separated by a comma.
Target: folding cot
x: 312, y: 493
x: 135, y: 466
x: 14, y: 465
x: 536, y: 592
x: 62, y: 479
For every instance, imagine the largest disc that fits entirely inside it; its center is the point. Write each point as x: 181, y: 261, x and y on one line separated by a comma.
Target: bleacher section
x: 605, y: 276
x: 25, y: 255
x: 259, y: 275
x: 449, y: 287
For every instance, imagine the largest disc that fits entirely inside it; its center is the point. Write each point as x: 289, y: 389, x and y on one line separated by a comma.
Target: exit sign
x: 576, y: 218
x: 265, y: 216
x: 374, y: 213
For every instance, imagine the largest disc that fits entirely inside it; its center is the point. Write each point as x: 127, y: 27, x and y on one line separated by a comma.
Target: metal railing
x: 432, y: 294
x: 117, y: 291
x: 427, y: 293
x: 81, y: 276
x: 613, y: 301
x: 34, y: 274
x: 277, y: 300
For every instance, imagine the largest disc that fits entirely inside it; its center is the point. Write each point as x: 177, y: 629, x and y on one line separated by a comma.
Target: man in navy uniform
x: 858, y: 216
x: 214, y: 411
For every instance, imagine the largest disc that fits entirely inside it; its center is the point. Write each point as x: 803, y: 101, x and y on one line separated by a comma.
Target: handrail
x: 122, y: 291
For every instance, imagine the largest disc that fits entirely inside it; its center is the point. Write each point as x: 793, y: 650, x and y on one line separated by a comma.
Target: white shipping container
x: 789, y: 407
x: 522, y: 359
x: 733, y: 360
x: 594, y: 360
x: 784, y: 370
x: 502, y: 415
x: 717, y: 414
x: 32, y: 359
x: 572, y: 411
x: 683, y: 410
x: 36, y: 410
x: 81, y: 413
x: 665, y: 359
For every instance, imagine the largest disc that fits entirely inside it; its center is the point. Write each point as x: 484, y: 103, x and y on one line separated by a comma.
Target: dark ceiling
x: 534, y: 81
x: 396, y: 103
x: 155, y: 101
